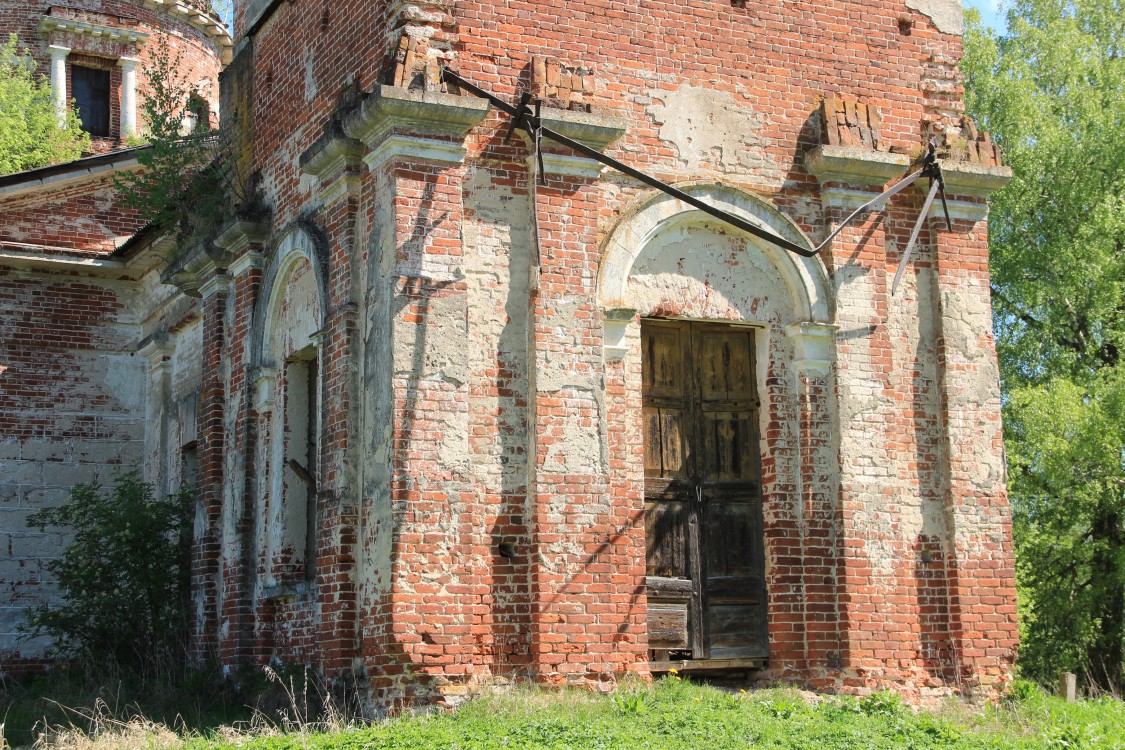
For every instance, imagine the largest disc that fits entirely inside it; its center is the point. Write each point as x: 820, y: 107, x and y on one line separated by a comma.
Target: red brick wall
x: 847, y: 502
x: 83, y: 216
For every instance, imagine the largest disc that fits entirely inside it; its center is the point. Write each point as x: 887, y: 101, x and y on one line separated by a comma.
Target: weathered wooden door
x: 703, y: 500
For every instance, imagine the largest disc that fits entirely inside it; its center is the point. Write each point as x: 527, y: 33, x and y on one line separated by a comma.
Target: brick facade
x: 474, y: 477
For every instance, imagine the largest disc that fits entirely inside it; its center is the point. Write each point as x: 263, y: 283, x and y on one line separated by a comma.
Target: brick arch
x: 658, y: 215
x: 298, y: 243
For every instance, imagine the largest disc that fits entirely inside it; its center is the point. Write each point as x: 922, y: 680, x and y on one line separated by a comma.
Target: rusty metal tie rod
x: 528, y: 120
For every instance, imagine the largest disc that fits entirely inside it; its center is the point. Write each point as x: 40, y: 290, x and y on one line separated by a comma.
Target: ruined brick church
x: 455, y: 413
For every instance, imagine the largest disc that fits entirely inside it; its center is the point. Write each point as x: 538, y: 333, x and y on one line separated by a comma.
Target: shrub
x: 30, y: 134
x: 124, y: 577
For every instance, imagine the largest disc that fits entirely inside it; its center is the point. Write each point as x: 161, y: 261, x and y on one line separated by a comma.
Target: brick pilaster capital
x: 814, y: 345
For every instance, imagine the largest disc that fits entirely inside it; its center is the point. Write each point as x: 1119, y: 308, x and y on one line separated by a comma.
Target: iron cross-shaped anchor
x: 529, y: 120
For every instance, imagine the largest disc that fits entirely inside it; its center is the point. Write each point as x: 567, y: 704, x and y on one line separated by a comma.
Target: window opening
x: 90, y: 87
x: 301, y: 453
x: 197, y: 115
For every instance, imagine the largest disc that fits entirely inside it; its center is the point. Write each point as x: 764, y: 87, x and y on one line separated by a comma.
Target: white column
x: 58, y: 81
x: 128, y: 96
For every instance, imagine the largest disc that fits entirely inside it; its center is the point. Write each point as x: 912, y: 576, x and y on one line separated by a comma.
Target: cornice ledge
x: 851, y: 165
x: 332, y: 153
x: 595, y: 131
x: 972, y: 179
x: 615, y: 325
x: 195, y: 271
x: 431, y: 113
x: 158, y: 348
x: 239, y: 234
x: 87, y: 28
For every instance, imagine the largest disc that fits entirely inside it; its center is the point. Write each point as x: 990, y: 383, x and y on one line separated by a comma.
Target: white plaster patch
x: 710, y: 128
x: 948, y: 15
x: 125, y: 380
x: 695, y: 271
x: 310, y: 75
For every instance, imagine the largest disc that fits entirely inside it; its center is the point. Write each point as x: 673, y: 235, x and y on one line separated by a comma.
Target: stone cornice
x: 595, y: 131
x: 331, y: 154
x: 85, y: 28
x: 333, y: 159
x: 813, y: 345
x: 388, y: 108
x: 615, y: 326
x: 240, y: 234
x: 158, y: 349
x: 855, y: 166
x: 422, y: 149
x: 205, y: 20
x: 972, y: 179
x: 200, y: 272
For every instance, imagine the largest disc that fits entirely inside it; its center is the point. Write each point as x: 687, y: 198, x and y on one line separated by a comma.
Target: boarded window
x: 91, y: 96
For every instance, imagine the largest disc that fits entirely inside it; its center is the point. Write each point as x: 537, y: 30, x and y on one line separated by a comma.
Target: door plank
x: 666, y: 539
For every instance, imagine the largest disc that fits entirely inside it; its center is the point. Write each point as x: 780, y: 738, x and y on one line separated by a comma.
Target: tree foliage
x: 30, y: 135
x: 181, y: 188
x: 123, y: 578
x: 1052, y: 91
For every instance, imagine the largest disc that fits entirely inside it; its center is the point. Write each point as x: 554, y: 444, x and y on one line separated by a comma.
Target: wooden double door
x: 703, y: 493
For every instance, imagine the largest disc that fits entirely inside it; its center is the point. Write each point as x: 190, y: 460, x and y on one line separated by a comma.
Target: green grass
x: 677, y: 714
x: 674, y: 713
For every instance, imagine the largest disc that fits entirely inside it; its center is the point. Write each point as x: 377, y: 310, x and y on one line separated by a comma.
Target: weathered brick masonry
x: 427, y: 405
x: 79, y: 298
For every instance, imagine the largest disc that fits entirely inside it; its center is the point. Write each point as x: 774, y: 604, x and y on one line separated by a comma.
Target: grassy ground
x: 672, y: 713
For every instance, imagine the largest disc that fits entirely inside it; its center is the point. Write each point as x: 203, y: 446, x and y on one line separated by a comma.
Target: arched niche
x: 285, y: 344
x: 667, y: 258
x: 298, y: 263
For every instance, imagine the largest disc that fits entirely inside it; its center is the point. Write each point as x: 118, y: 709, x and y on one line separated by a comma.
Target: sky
x: 991, y: 13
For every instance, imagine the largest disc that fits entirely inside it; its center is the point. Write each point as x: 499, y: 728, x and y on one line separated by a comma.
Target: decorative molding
x: 240, y: 234
x: 214, y: 284
x: 422, y: 149
x: 97, y: 31
x: 206, y: 21
x: 343, y: 186
x: 847, y: 198
x: 595, y: 131
x: 265, y: 386
x: 855, y: 166
x: 158, y: 349
x: 333, y: 159
x: 813, y: 345
x: 568, y: 165
x: 615, y: 326
x: 973, y: 179
x: 200, y: 272
x: 432, y: 113
x: 245, y: 262
x: 331, y: 154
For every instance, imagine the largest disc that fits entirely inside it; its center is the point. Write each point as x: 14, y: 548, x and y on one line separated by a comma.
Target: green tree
x: 124, y: 577
x: 30, y: 134
x: 182, y: 186
x: 1052, y: 91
